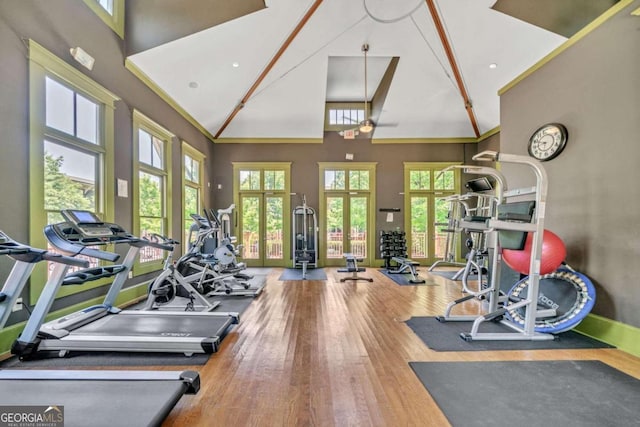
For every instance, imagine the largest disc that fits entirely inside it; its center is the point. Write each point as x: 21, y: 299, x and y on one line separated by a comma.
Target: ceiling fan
x: 365, y: 126
x: 368, y: 123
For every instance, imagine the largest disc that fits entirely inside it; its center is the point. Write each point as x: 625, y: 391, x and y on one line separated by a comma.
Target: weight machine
x: 530, y: 311
x: 305, y: 237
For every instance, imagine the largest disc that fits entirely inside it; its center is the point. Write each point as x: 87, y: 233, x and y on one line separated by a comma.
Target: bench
x: 406, y: 265
x: 352, y: 267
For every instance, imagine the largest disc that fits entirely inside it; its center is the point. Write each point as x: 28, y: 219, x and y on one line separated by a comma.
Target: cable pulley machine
x: 305, y: 237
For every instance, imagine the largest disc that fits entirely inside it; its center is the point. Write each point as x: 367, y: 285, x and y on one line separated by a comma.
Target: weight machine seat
x: 406, y: 264
x: 352, y: 270
x: 352, y: 267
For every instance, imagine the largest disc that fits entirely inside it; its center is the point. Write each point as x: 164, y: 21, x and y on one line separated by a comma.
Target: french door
x: 346, y: 228
x: 261, y: 225
x: 427, y: 188
x: 428, y: 216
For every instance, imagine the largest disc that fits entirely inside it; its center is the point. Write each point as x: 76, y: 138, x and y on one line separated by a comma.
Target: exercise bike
x: 171, y: 283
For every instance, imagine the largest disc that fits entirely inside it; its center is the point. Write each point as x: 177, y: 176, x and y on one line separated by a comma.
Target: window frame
x: 341, y: 106
x: 196, y: 155
x: 142, y: 122
x: 115, y: 21
x: 42, y: 64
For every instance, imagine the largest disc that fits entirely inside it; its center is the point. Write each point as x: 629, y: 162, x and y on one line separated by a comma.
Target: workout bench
x: 406, y: 264
x: 352, y: 267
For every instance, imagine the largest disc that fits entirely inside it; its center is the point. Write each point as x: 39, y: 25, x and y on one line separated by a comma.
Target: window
x: 420, y: 180
x: 334, y: 180
x: 111, y: 12
x: 274, y: 180
x: 71, y: 144
x: 358, y: 180
x: 192, y: 189
x: 349, y: 117
x: 343, y: 115
x: 107, y: 5
x: 250, y: 180
x: 151, y: 187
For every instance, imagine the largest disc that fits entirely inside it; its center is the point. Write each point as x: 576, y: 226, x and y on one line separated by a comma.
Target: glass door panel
x: 441, y: 219
x: 250, y: 230
x: 335, y: 227
x: 274, y: 227
x: 262, y: 229
x: 358, y: 220
x: 419, y: 242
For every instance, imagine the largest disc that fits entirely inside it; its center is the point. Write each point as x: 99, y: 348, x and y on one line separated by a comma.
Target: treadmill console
x: 87, y: 223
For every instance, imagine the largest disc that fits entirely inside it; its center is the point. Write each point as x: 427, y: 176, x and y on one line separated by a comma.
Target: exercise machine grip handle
x: 163, y: 246
x: 486, y: 156
x: 62, y: 259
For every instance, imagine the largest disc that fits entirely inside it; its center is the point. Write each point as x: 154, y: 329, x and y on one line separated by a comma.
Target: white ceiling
x: 325, y: 62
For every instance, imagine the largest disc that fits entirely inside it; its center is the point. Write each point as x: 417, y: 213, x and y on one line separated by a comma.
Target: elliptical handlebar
x: 159, y: 238
x: 211, y: 215
x: 227, y: 211
x: 165, y: 246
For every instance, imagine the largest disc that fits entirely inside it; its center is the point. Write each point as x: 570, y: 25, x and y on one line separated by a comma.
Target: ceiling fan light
x: 366, y: 126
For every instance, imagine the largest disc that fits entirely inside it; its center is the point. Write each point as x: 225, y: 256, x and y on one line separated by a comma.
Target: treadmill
x: 83, y: 397
x: 105, y: 327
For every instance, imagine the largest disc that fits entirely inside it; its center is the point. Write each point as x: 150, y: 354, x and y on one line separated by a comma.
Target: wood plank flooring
x: 325, y: 353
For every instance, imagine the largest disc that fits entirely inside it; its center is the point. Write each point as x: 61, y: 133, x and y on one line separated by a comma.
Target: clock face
x: 548, y: 141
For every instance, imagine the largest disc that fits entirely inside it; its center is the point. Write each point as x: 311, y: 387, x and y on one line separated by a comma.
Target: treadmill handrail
x: 63, y: 259
x: 52, y: 235
x: 25, y: 253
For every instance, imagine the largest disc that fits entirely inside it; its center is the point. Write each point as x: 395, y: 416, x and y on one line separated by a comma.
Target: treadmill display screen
x: 82, y: 217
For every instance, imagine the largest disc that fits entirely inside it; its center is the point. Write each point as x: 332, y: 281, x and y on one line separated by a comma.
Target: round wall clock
x: 548, y: 142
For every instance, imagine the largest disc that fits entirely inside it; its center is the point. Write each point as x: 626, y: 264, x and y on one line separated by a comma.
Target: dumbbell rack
x: 392, y: 244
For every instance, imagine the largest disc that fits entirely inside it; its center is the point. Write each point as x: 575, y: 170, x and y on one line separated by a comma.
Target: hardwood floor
x: 325, y: 353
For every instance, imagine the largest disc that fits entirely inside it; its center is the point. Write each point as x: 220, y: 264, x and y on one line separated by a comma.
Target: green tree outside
x: 62, y: 192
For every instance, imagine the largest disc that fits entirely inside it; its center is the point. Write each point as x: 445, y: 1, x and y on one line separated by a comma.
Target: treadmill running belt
x: 156, y: 326
x: 98, y: 403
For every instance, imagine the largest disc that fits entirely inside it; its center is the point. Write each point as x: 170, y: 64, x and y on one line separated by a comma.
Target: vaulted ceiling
x: 257, y: 72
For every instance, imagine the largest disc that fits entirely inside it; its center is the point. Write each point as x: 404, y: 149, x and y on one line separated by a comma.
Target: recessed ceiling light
x: 493, y: 65
x: 193, y: 85
x: 235, y: 65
